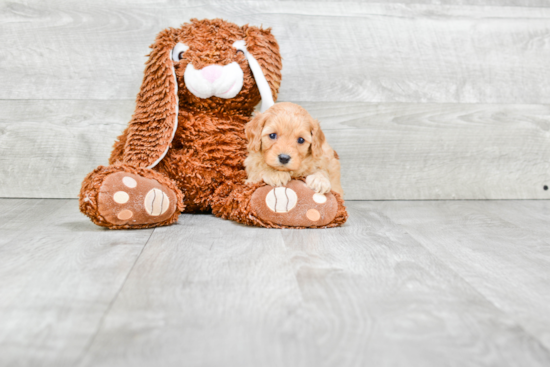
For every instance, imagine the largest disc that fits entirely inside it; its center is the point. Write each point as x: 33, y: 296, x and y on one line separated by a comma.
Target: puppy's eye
x: 180, y: 55
x: 273, y: 136
x: 240, y: 52
x: 301, y: 140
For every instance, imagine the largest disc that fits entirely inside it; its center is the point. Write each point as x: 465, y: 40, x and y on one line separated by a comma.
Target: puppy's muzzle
x: 284, y: 158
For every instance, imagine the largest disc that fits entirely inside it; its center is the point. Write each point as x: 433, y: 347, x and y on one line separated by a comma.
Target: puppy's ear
x: 263, y: 46
x: 155, y: 119
x: 318, y: 139
x: 253, y: 130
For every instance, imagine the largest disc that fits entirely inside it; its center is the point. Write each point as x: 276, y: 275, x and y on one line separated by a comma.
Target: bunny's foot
x: 296, y: 205
x: 122, y: 196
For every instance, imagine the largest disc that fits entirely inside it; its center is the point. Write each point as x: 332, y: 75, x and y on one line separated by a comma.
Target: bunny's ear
x: 155, y: 119
x: 262, y: 52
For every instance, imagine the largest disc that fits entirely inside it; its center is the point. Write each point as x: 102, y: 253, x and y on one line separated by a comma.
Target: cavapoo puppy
x: 285, y: 142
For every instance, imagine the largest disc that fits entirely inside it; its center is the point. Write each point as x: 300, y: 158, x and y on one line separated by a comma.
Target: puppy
x: 285, y: 142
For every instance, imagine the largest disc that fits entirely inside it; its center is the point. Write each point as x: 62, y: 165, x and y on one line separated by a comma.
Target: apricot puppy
x: 285, y: 142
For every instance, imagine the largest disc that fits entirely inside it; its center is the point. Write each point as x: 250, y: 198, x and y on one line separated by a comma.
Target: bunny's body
x: 185, y: 147
x: 208, y: 150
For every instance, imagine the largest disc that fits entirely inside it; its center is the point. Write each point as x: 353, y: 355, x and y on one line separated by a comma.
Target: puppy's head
x: 285, y: 134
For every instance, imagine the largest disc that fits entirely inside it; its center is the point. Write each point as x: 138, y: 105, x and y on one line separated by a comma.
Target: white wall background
x: 422, y: 99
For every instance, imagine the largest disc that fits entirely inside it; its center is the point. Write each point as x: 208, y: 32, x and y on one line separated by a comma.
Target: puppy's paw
x: 276, y: 178
x: 318, y: 182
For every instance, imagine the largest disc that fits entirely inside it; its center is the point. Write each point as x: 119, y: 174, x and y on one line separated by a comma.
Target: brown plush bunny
x: 185, y: 146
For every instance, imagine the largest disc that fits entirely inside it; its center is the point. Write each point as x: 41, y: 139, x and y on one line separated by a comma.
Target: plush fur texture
x: 288, y: 130
x: 91, y: 187
x: 204, y: 161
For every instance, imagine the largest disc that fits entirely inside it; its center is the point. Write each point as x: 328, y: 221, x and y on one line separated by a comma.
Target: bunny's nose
x: 284, y: 159
x: 212, y: 72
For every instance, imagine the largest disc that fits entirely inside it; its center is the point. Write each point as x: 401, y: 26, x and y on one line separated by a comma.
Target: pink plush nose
x: 212, y: 72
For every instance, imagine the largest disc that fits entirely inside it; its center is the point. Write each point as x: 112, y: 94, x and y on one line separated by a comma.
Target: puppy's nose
x: 212, y: 72
x: 284, y: 159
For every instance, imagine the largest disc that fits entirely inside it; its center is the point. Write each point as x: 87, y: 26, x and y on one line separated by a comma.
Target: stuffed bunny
x: 184, y: 148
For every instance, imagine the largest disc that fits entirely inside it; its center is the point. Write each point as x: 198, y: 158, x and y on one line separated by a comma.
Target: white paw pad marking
x: 129, y: 182
x: 319, y: 198
x: 156, y: 202
x: 121, y: 197
x: 281, y: 199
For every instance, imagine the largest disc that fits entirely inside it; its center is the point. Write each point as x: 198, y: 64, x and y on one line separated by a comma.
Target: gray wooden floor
x: 404, y: 283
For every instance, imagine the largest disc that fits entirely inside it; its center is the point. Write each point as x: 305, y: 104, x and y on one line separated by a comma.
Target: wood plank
x: 47, y: 147
x: 388, y: 151
x: 507, y: 263
x: 59, y: 274
x: 532, y: 216
x: 200, y: 292
x: 350, y: 51
x: 445, y: 152
x: 519, y: 3
x: 210, y: 292
x: 515, y: 3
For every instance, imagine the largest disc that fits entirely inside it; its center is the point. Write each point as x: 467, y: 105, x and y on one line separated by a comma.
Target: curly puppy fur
x: 286, y: 142
x: 205, y: 158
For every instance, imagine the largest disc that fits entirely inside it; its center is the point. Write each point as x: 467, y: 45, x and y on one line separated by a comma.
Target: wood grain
x: 211, y: 292
x: 59, y: 274
x: 490, y: 246
x: 515, y: 3
x: 440, y: 151
x: 47, y: 147
x: 532, y: 216
x: 388, y: 151
x: 351, y: 51
x: 212, y: 287
x: 402, y: 283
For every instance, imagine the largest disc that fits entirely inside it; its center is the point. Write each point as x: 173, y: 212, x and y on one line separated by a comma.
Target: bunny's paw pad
x: 294, y: 205
x: 129, y: 199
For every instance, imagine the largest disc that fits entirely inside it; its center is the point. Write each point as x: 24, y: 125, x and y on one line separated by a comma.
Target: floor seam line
x: 477, y: 291
x: 108, y: 309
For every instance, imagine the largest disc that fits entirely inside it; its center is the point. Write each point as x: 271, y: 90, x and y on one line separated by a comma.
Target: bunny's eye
x: 273, y: 136
x: 178, y: 51
x: 301, y: 140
